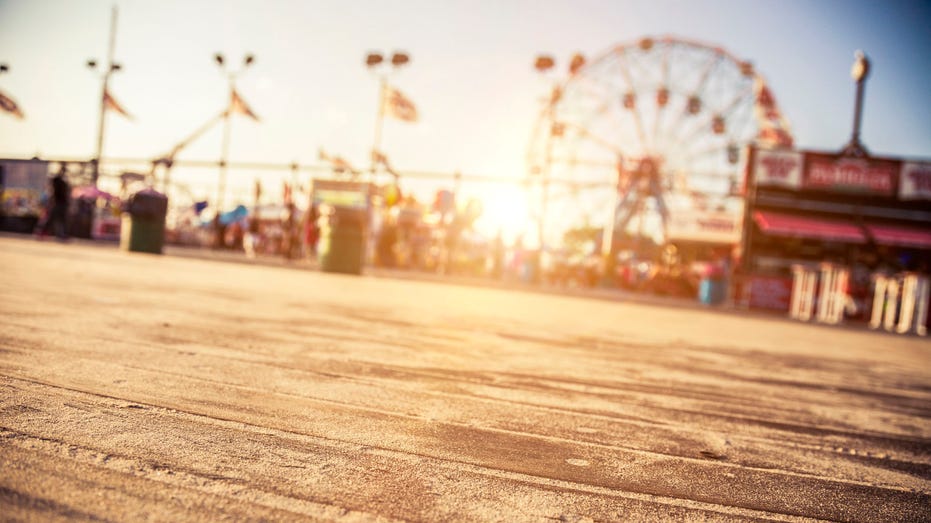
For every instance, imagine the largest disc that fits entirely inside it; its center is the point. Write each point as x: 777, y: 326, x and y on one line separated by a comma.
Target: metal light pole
x: 373, y: 61
x: 543, y: 64
x: 227, y: 119
x: 859, y: 73
x: 110, y: 69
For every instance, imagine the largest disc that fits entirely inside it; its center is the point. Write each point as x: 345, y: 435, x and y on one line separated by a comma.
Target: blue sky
x: 471, y: 73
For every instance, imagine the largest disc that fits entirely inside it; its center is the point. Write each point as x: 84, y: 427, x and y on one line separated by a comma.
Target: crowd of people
x: 408, y: 234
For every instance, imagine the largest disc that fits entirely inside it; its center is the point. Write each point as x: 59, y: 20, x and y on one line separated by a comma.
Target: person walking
x: 56, y: 221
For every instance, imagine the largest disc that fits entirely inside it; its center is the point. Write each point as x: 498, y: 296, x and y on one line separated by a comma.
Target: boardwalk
x: 143, y: 387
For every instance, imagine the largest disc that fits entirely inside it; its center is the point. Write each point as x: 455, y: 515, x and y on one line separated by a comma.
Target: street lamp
x: 231, y: 76
x: 373, y: 61
x: 859, y: 73
x: 108, y: 70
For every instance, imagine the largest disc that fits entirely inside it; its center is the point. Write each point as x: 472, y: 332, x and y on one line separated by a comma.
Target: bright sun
x: 505, y: 211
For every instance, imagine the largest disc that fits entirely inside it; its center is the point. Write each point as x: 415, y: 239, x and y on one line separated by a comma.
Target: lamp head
x: 861, y: 67
x: 544, y: 63
x: 373, y: 59
x: 398, y: 59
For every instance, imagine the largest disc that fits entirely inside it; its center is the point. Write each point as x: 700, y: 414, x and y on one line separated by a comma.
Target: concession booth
x: 833, y: 238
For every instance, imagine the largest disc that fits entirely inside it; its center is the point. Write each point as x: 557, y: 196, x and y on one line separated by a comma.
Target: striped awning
x: 796, y: 226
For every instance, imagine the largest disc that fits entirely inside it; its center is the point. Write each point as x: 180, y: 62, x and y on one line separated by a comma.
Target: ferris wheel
x: 649, y: 129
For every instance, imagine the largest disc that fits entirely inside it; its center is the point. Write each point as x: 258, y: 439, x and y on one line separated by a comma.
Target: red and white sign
x: 780, y: 168
x: 851, y: 175
x: 770, y: 292
x: 708, y: 227
x: 915, y: 182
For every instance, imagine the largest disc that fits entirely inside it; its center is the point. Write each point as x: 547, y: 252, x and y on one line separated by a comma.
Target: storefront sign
x: 709, y: 227
x: 778, y: 168
x: 915, y: 181
x: 852, y: 175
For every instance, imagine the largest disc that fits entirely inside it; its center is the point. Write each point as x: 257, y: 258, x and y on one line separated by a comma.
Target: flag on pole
x: 8, y: 105
x: 238, y: 105
x: 399, y: 106
x: 379, y: 157
x: 339, y: 164
x: 110, y: 103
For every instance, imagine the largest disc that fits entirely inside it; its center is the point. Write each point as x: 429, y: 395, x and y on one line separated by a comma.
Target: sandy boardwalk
x: 137, y: 387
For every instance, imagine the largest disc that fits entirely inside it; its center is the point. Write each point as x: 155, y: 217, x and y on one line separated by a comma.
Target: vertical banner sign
x: 915, y: 181
x: 778, y: 168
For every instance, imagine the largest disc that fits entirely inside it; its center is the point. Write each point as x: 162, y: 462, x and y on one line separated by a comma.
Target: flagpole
x: 379, y: 124
x: 373, y: 61
x: 227, y: 124
x: 224, y: 157
x: 103, y: 97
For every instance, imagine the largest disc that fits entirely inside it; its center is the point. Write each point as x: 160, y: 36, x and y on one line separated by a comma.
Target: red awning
x: 793, y: 226
x: 900, y: 236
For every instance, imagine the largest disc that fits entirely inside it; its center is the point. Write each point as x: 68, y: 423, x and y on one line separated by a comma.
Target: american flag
x: 110, y: 103
x: 238, y: 105
x: 398, y: 106
x: 8, y: 105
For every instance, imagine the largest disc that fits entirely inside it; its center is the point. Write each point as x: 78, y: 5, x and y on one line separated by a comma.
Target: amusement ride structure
x: 647, y: 130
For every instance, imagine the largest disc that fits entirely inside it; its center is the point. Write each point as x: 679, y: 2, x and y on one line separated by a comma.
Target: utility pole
x: 110, y: 69
x: 373, y: 61
x: 231, y: 76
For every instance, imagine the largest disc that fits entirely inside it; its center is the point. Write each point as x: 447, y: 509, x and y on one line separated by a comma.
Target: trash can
x: 712, y: 291
x: 530, y: 269
x: 143, y: 222
x: 341, y: 246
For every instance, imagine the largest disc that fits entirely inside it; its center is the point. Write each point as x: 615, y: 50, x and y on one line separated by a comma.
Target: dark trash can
x: 341, y: 247
x: 143, y: 222
x: 81, y: 219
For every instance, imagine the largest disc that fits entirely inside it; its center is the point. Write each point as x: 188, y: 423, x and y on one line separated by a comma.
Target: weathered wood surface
x: 144, y: 387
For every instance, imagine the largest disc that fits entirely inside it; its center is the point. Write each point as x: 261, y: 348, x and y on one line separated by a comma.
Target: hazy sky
x: 471, y: 73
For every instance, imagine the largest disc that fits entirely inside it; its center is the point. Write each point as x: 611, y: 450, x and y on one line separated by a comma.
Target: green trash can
x: 143, y: 222
x: 341, y: 247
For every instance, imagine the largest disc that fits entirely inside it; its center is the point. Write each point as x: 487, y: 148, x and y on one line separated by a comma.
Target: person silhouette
x: 57, y: 214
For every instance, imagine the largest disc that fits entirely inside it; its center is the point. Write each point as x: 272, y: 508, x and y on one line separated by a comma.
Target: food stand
x: 846, y: 220
x: 23, y: 190
x: 705, y: 240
